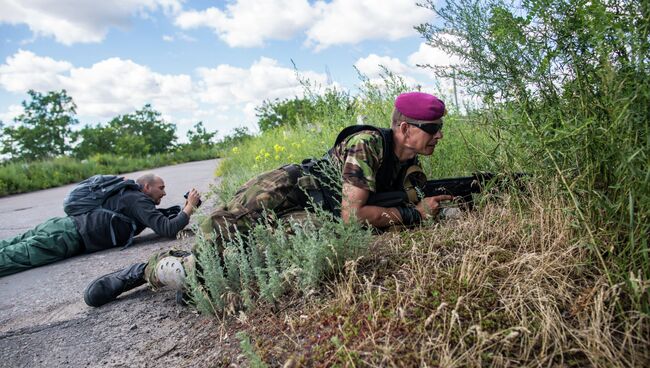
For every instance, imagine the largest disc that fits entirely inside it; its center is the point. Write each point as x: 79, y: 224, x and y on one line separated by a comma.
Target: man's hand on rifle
x: 429, y: 206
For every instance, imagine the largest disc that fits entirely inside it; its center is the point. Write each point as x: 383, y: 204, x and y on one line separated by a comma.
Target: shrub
x: 569, y: 82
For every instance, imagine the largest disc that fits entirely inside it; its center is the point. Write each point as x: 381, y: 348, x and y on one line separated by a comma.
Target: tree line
x: 45, y: 130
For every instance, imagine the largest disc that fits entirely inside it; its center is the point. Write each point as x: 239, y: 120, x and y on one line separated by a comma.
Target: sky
x: 209, y: 61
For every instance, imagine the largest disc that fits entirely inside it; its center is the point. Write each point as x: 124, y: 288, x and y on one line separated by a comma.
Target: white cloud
x: 265, y: 79
x: 13, y: 111
x: 180, y: 36
x: 350, y: 22
x: 115, y: 86
x: 372, y: 66
x: 224, y: 97
x: 428, y: 55
x: 105, y: 89
x: 79, y: 21
x: 233, y: 93
x: 445, y: 87
x: 413, y: 75
x: 24, y: 70
x: 248, y: 23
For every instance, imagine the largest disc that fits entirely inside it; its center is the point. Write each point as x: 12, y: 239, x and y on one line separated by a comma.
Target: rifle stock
x: 462, y: 188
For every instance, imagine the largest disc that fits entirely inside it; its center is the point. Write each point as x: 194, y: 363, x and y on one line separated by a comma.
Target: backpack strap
x: 122, y: 217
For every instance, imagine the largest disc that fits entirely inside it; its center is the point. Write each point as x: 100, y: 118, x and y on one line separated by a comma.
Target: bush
x: 569, y: 82
x: 276, y: 257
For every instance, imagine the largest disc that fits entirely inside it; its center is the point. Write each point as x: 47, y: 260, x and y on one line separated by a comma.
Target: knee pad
x: 170, y: 271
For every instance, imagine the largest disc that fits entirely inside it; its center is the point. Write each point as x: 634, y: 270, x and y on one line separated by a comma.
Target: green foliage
x: 276, y: 257
x: 239, y: 135
x: 570, y: 81
x: 249, y: 351
x: 281, y: 113
x: 467, y: 146
x: 94, y: 140
x: 375, y: 102
x: 137, y: 134
x: 200, y: 137
x: 43, y: 129
x: 142, y: 133
x: 305, y: 110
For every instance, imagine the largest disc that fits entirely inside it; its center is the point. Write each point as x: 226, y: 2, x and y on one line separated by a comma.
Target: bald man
x: 63, y: 237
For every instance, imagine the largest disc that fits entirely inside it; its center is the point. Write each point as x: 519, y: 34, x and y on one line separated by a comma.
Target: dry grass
x: 499, y: 287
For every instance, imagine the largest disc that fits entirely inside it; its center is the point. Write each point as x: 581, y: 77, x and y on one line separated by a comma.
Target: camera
x: 198, y: 204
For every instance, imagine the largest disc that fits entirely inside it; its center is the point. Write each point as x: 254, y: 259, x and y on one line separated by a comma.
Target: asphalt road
x: 43, y: 319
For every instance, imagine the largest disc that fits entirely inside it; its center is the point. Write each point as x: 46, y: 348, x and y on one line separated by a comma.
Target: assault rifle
x: 461, y: 188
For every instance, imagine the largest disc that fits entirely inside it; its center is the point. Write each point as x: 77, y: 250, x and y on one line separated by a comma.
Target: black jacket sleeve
x: 144, y: 211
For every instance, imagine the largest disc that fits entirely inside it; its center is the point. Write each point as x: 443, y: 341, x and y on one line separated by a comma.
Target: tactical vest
x: 389, y: 178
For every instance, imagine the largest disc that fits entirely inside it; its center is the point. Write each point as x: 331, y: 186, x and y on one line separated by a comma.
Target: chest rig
x: 322, y: 181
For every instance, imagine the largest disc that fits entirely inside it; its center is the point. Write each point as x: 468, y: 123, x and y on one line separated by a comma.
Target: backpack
x: 90, y: 195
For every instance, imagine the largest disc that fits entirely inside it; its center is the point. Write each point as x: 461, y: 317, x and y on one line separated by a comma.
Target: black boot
x: 108, y: 287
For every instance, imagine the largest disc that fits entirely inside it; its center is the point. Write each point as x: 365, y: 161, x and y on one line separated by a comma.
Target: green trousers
x: 51, y: 241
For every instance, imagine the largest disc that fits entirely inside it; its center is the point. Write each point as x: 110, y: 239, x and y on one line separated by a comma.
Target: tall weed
x: 569, y: 81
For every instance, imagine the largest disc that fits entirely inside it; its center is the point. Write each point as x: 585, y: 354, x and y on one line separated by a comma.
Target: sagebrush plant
x: 278, y: 256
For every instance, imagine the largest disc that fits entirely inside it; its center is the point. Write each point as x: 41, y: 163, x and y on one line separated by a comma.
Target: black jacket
x: 94, y: 227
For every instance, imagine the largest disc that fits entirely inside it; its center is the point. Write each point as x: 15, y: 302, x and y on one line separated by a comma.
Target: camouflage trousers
x: 275, y: 191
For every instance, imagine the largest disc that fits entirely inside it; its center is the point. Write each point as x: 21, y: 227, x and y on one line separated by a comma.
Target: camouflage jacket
x: 360, y: 159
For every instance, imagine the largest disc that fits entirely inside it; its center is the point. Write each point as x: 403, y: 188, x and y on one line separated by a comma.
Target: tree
x: 281, y: 113
x: 331, y: 105
x: 143, y: 132
x: 97, y: 139
x: 200, y: 137
x: 239, y: 135
x: 43, y: 129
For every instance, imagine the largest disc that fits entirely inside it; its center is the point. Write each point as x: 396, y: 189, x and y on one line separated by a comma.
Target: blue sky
x: 210, y: 61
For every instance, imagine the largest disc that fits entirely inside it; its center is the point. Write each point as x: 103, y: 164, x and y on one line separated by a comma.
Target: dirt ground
x: 44, y: 321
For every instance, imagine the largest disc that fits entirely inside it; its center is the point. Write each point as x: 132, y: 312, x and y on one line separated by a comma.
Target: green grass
x: 21, y: 177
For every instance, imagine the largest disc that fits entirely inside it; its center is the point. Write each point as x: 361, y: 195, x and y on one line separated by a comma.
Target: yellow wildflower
x: 235, y: 150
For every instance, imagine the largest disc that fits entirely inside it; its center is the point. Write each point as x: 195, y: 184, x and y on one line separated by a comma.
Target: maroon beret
x: 420, y: 106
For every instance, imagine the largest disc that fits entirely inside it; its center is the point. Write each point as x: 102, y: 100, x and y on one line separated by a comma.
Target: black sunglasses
x: 431, y: 128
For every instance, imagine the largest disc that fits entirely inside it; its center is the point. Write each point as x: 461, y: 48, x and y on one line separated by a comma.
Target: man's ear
x: 403, y: 127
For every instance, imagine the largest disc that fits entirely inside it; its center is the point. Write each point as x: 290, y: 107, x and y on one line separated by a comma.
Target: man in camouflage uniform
x: 367, y: 160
